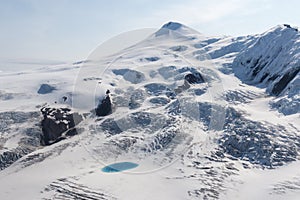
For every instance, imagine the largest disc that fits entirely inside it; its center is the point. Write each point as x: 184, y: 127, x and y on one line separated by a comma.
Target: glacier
x: 201, y: 117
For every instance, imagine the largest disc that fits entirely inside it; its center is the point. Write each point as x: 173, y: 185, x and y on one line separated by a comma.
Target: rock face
x: 58, y: 123
x: 272, y: 61
x: 194, y: 78
x: 104, y: 107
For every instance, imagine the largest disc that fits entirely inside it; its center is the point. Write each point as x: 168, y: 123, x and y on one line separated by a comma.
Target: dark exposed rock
x: 64, y: 98
x: 285, y: 80
x: 194, y: 78
x: 104, y: 107
x: 258, y: 67
x: 56, y: 122
x: 172, y: 25
x: 191, y: 75
x: 289, y: 26
x: 264, y: 77
x: 272, y: 78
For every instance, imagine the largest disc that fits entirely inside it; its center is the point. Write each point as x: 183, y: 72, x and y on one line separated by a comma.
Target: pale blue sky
x: 68, y: 30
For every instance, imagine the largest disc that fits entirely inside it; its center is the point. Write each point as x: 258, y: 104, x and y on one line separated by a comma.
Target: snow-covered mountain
x: 273, y: 62
x: 179, y: 115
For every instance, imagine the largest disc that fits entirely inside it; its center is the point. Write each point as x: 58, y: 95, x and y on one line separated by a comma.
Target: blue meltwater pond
x: 118, y: 167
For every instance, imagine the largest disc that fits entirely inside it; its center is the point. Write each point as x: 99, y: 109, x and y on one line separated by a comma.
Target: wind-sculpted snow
x: 237, y: 45
x: 287, y: 186
x: 204, y: 43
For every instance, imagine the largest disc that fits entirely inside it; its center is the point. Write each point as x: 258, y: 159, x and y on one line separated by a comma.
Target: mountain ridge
x: 192, y: 113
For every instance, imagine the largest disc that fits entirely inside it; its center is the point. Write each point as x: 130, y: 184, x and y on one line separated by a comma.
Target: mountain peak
x: 283, y: 27
x: 175, y: 29
x: 172, y: 25
x: 289, y: 26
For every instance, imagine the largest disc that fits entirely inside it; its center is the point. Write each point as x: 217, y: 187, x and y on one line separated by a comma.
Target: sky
x: 58, y: 31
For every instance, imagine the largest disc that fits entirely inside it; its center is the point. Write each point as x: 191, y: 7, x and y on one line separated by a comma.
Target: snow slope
x: 273, y: 62
x: 192, y: 111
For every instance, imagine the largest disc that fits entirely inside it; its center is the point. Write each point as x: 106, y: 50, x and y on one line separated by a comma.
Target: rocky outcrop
x: 105, y: 106
x: 58, y: 123
x: 194, y: 78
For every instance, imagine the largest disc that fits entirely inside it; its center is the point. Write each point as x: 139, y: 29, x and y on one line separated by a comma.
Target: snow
x: 174, y: 129
x: 261, y: 184
x: 272, y: 61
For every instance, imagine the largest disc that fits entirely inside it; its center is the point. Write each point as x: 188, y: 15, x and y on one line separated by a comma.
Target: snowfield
x: 199, y: 117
